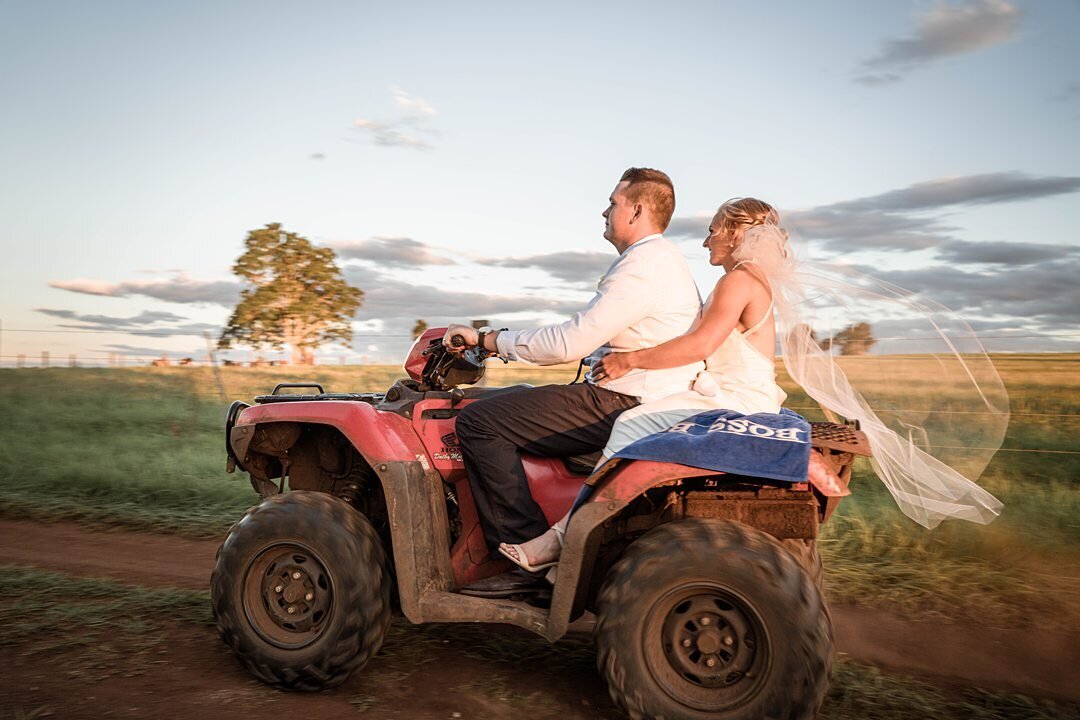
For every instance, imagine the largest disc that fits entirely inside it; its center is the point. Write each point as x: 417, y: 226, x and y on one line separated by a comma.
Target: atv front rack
x: 371, y: 398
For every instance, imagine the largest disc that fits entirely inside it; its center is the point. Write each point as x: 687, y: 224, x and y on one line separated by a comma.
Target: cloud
x: 401, y: 252
x: 146, y: 317
x: 394, y: 301
x: 1070, y: 93
x: 982, y: 189
x: 848, y: 230
x: 577, y: 267
x: 946, y: 30
x: 151, y: 323
x: 964, y: 252
x: 900, y: 219
x: 1045, y: 295
x: 178, y: 289
x: 897, y: 219
x: 411, y: 128
x: 413, y: 107
x: 317, y: 156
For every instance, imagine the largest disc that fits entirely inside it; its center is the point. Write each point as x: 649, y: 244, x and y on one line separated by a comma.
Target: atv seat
x: 582, y: 464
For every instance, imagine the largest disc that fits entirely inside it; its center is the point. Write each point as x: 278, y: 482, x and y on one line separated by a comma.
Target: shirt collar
x: 642, y: 241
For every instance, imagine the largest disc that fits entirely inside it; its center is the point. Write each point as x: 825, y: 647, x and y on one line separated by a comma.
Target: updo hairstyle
x: 748, y: 212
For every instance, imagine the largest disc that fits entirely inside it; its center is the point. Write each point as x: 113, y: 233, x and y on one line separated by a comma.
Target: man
x: 646, y: 297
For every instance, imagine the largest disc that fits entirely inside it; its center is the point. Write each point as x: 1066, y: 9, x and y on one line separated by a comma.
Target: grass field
x: 144, y: 447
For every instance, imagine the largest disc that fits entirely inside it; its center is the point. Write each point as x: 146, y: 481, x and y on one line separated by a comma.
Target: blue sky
x: 458, y: 156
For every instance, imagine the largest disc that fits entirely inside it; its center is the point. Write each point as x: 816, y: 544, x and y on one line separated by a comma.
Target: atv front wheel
x: 301, y: 591
x: 712, y: 619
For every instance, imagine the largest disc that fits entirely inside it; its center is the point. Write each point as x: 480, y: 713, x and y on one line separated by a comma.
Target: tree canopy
x: 295, y: 295
x: 419, y: 328
x: 856, y: 339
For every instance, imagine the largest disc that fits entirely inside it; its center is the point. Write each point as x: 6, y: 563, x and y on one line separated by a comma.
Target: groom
x: 646, y: 297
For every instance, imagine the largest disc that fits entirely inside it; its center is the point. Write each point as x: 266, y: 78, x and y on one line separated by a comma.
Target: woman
x: 734, y: 334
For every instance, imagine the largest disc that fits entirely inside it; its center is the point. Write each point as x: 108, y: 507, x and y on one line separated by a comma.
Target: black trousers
x: 553, y: 420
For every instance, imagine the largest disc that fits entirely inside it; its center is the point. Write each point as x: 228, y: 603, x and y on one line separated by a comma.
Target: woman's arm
x: 719, y: 318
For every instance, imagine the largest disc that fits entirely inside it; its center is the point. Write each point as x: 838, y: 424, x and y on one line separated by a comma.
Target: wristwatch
x: 481, y: 334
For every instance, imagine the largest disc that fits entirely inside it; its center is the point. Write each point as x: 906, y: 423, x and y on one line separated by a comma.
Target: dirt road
x: 1030, y: 660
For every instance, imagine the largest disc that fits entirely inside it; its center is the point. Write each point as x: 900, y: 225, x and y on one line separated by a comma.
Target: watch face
x: 484, y: 329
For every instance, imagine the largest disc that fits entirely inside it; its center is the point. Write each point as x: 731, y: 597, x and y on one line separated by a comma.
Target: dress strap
x: 760, y: 323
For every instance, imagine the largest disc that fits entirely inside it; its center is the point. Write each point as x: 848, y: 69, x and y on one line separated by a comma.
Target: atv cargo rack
x: 276, y: 396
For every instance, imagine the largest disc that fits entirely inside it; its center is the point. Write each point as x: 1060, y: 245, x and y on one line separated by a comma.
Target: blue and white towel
x: 766, y: 445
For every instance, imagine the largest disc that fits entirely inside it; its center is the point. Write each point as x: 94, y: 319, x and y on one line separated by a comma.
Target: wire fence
x: 391, y: 350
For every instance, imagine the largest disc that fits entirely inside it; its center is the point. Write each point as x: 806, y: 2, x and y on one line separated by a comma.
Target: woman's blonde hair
x: 748, y: 212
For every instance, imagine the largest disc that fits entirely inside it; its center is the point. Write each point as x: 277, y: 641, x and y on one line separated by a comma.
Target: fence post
x: 45, y: 358
x: 20, y: 360
x: 71, y: 361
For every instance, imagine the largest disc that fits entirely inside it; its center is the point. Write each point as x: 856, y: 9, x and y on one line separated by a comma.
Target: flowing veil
x: 927, y: 396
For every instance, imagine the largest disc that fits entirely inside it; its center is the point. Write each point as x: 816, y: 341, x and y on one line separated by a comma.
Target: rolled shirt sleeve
x: 624, y: 297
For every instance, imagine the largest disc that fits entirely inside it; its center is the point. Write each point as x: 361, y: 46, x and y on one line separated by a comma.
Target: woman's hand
x: 468, y: 334
x: 611, y: 367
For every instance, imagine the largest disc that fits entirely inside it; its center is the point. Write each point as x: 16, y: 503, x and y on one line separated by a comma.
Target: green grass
x: 858, y: 692
x: 144, y: 447
x: 94, y: 624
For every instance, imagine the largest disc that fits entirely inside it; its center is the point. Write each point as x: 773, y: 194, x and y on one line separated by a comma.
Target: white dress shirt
x: 646, y: 297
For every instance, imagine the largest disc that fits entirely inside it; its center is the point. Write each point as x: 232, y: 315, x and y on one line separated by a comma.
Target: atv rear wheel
x: 806, y: 552
x: 301, y: 591
x: 712, y: 619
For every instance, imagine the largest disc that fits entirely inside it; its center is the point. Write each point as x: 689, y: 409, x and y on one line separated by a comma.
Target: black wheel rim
x: 707, y: 647
x: 288, y: 595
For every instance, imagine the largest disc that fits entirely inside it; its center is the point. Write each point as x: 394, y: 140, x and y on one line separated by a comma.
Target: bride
x: 735, y: 334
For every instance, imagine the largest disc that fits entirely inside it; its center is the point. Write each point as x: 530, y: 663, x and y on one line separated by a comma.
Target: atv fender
x: 380, y: 437
x: 613, y: 493
x: 390, y: 446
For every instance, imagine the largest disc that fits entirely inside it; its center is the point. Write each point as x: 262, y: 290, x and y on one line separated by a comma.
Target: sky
x: 458, y: 156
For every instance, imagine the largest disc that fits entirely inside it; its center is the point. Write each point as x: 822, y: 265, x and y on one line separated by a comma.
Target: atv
x: 706, y: 587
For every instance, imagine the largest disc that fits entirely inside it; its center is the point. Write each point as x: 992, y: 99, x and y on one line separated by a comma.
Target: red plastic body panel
x: 824, y: 478
x: 440, y: 438
x: 379, y: 436
x: 552, y: 486
x: 415, y: 361
x: 636, y: 477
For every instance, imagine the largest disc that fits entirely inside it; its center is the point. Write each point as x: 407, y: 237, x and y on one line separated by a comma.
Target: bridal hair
x: 654, y: 190
x: 749, y: 212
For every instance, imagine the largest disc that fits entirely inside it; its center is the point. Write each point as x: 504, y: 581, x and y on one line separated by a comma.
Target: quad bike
x: 705, y: 585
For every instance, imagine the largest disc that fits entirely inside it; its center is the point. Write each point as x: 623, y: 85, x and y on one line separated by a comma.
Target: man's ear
x: 639, y: 210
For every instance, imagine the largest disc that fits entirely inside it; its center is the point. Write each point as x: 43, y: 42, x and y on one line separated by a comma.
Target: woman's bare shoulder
x: 738, y: 280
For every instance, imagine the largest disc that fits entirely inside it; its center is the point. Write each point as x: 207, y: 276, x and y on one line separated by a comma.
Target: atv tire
x: 301, y: 591
x: 708, y: 618
x: 806, y: 552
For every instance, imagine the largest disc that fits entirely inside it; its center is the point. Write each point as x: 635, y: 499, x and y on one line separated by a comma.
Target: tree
x: 419, y: 329
x: 855, y: 339
x: 295, y: 296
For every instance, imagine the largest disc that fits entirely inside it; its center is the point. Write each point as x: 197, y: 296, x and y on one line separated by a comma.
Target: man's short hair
x: 654, y: 190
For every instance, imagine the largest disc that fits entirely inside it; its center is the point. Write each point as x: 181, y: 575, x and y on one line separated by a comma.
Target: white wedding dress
x: 737, y: 376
